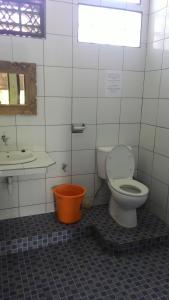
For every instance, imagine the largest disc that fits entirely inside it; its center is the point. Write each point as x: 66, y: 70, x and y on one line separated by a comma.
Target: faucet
x: 4, y: 139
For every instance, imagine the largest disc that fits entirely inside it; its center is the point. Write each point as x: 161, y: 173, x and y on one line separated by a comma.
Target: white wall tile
x: 61, y: 159
x: 135, y: 153
x: 145, y: 161
x: 145, y: 179
x: 58, y: 18
x: 33, y: 119
x: 28, y: 50
x: 83, y: 162
x: 8, y: 199
x: 10, y: 133
x: 84, y: 83
x: 40, y: 81
x: 32, y: 175
x: 108, y: 110
x: 107, y: 135
x: 31, y: 137
x: 75, y: 20
x: 50, y: 207
x: 129, y: 134
x: 6, y: 50
x: 85, y: 140
x: 152, y: 84
x: 166, y: 54
x: 58, y: 138
x: 97, y: 182
x: 163, y: 119
x: 156, y: 5
x: 147, y: 136
x: 161, y: 168
x: 130, y: 110
x: 57, y: 110
x: 84, y: 110
x: 132, y: 84
x: 7, y: 120
x: 58, y: 82
x: 134, y: 58
x: 154, y: 55
x: 58, y: 51
x: 85, y: 55
x: 32, y: 192
x: 164, y: 88
x: 111, y: 57
x: 167, y: 23
x: 159, y: 194
x: 156, y: 26
x: 162, y: 141
x: 32, y: 210
x: 87, y: 181
x: 9, y: 213
x: 149, y: 111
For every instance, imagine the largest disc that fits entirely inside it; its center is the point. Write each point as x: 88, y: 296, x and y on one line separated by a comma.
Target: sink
x: 16, y: 157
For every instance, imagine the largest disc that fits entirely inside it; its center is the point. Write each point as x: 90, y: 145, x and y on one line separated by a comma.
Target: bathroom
x: 72, y: 88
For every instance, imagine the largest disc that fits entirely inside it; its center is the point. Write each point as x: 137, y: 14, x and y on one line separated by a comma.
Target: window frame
x: 42, y: 15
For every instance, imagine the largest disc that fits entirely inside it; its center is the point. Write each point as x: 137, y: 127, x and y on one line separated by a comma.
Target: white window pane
x: 109, y: 26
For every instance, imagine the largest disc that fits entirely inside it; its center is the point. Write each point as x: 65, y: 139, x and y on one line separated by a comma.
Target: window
x: 109, y: 26
x: 22, y: 17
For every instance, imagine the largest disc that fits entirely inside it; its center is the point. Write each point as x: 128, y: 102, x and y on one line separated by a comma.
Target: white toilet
x: 116, y: 164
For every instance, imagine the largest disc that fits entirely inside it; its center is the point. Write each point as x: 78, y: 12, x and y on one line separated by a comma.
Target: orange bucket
x: 69, y: 199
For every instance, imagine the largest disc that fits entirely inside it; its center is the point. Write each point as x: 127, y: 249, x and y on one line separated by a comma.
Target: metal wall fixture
x: 78, y: 127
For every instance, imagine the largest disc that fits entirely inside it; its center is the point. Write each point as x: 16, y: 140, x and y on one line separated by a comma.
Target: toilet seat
x: 128, y: 187
x: 120, y: 163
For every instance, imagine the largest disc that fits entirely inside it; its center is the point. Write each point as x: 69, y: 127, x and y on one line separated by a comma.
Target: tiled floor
x: 37, y: 231
x: 81, y: 270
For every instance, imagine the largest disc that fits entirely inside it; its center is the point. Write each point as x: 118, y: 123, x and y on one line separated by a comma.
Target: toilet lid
x: 120, y: 162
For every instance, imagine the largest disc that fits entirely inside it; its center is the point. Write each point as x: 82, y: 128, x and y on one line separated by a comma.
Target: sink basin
x: 16, y: 157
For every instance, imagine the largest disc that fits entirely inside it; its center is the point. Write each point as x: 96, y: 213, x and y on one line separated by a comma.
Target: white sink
x: 16, y: 157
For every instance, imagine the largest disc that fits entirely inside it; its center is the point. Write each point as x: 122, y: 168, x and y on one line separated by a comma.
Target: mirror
x: 17, y: 88
x: 12, y: 89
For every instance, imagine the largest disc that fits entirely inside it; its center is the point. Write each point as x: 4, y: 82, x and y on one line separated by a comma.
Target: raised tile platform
x: 22, y: 234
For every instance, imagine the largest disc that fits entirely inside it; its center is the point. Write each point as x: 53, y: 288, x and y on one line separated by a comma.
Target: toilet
x: 116, y: 165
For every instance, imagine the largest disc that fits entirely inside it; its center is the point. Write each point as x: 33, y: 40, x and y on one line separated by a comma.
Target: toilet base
x: 124, y: 217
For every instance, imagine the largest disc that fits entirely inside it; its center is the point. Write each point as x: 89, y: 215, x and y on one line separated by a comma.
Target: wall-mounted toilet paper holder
x: 78, y: 128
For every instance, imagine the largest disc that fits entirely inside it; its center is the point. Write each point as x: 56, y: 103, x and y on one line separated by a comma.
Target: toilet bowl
x: 116, y: 165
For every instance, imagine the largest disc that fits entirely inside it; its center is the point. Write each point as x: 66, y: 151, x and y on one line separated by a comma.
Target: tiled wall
x: 70, y: 80
x: 154, y: 137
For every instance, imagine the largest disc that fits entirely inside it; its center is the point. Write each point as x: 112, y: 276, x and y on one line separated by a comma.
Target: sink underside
x: 16, y: 157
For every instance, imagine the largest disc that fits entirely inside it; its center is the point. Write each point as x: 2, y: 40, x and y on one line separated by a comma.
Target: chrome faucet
x: 4, y: 139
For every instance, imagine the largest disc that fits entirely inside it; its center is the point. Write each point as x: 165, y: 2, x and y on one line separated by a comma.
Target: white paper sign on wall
x: 113, y: 83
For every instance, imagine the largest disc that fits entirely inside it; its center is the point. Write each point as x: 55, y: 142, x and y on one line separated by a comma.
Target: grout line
x: 97, y: 109
x: 44, y: 115
x: 159, y: 89
x: 72, y: 102
x: 143, y: 93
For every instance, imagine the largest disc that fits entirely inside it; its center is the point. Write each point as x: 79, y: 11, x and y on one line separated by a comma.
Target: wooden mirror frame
x: 29, y: 71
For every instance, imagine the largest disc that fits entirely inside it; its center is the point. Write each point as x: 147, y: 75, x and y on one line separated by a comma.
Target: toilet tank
x: 101, y: 160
